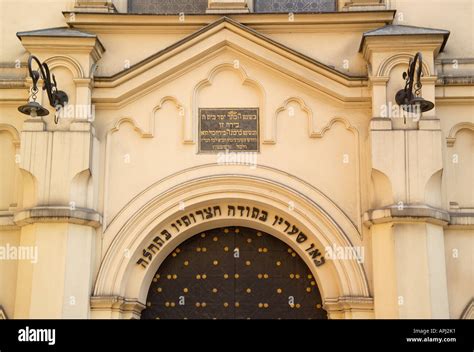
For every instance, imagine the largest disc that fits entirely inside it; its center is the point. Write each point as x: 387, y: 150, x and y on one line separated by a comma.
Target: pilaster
x: 59, y: 217
x: 406, y: 156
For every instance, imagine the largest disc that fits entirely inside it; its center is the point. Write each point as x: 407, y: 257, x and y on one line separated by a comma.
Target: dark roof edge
x: 37, y: 33
x: 445, y: 33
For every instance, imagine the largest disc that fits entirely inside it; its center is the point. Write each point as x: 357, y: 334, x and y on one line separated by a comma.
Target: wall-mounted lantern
x: 57, y: 98
x: 409, y: 98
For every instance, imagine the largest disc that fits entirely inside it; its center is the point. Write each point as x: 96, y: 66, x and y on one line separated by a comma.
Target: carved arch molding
x: 153, y: 225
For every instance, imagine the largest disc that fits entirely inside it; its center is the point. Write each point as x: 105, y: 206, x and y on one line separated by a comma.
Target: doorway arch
x: 233, y: 273
x: 233, y: 199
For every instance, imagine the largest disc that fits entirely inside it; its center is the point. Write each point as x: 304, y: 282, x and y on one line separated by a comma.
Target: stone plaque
x: 232, y: 129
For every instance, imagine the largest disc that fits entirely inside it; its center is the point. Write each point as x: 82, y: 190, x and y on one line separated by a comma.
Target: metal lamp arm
x: 46, y: 75
x: 411, y: 73
x: 408, y: 98
x: 57, y: 98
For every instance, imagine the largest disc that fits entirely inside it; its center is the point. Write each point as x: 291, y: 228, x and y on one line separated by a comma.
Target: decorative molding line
x: 349, y: 307
x: 468, y: 312
x: 451, y: 138
x: 68, y: 62
x: 6, y: 221
x: 14, y: 133
x: 3, y: 315
x: 312, y: 132
x: 181, y: 113
x: 311, y: 119
x: 398, y: 59
x: 460, y: 221
x: 150, y: 132
x: 165, y: 99
x: 342, y: 120
x: 116, y: 307
x: 458, y: 100
x: 131, y: 121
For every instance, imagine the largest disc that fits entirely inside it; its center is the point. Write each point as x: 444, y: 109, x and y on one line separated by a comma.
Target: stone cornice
x: 57, y: 214
x: 406, y: 214
x: 420, y: 213
x: 100, y: 21
x: 461, y: 220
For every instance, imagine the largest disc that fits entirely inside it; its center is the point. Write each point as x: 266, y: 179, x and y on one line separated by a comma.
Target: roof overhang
x: 64, y: 39
x: 391, y: 36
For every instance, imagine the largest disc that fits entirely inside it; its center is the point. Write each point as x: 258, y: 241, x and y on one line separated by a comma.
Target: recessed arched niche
x: 7, y: 170
x: 228, y: 86
x: 460, y: 160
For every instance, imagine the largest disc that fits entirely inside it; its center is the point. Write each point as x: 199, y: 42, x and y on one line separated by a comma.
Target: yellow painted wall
x: 320, y: 138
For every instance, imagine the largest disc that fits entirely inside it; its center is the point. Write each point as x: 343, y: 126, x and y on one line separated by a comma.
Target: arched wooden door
x: 233, y: 273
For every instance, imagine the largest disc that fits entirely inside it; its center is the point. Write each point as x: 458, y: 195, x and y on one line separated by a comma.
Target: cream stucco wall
x: 90, y: 194
x: 432, y: 14
x: 24, y: 15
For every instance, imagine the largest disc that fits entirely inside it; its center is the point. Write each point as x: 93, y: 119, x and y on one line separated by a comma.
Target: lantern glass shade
x: 33, y: 109
x: 416, y: 104
x: 421, y: 104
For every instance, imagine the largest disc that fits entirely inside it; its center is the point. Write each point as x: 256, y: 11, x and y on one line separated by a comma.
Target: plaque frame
x: 223, y: 150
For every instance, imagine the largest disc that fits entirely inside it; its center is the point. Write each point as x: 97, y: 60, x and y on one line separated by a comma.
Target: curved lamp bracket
x: 57, y: 98
x: 409, y: 98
